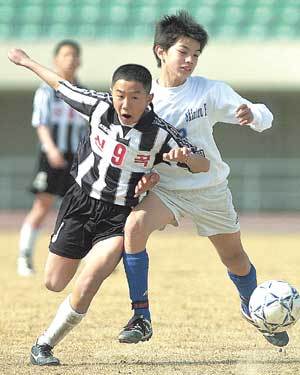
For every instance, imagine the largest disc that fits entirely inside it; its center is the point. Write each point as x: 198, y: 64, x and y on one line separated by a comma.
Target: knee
x: 53, y: 284
x: 135, y: 225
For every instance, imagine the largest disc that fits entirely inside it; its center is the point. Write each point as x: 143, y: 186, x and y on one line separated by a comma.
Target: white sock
x: 64, y: 321
x: 28, y: 236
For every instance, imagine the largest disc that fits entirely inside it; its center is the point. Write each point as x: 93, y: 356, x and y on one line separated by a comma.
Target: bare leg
x: 241, y: 272
x: 149, y: 215
x: 41, y: 207
x: 59, y: 271
x: 231, y: 252
x: 100, y: 263
x: 29, y: 230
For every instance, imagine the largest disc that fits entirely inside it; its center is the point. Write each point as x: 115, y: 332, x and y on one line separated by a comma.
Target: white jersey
x: 194, y: 108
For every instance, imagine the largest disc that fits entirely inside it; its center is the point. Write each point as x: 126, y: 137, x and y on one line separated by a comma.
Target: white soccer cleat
x: 25, y: 266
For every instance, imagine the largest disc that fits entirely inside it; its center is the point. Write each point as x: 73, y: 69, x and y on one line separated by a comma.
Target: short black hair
x: 170, y: 28
x: 67, y: 42
x: 133, y: 72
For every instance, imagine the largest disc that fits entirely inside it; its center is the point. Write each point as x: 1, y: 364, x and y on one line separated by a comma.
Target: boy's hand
x: 244, y: 115
x: 147, y: 182
x: 177, y: 154
x: 56, y: 159
x: 18, y: 56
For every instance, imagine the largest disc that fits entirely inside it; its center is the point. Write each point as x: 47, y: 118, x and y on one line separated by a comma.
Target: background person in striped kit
x: 59, y: 128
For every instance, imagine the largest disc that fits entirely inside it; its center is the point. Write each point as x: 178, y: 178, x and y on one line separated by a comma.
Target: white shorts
x: 211, y: 209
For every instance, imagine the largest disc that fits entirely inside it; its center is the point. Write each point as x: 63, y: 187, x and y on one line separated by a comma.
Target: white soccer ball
x: 275, y: 306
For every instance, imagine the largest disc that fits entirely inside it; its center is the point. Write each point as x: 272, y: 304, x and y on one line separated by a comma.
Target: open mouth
x: 125, y: 115
x: 125, y: 118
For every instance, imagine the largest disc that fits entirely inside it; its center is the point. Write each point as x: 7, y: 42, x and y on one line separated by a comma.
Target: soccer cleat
x: 42, y: 355
x: 25, y: 266
x: 277, y: 339
x: 137, y: 329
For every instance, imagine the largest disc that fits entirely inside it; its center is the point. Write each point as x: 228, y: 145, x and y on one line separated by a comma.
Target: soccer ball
x: 274, y: 306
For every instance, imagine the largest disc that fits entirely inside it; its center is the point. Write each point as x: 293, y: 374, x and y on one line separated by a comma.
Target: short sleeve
x: 42, y: 106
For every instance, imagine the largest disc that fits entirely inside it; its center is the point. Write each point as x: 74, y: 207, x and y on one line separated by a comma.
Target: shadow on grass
x: 194, y: 363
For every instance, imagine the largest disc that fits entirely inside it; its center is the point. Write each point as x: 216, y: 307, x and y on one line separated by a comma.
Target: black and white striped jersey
x: 66, y: 125
x: 113, y: 158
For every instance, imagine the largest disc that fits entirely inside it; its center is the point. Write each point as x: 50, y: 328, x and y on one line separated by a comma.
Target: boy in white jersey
x: 194, y: 105
x: 126, y: 138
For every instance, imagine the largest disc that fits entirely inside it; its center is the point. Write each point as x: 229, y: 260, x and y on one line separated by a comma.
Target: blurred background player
x: 59, y: 128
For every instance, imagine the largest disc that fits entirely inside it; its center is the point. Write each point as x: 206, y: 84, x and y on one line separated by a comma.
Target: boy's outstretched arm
x: 19, y: 57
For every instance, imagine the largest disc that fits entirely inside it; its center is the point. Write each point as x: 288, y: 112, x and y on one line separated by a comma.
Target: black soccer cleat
x: 277, y: 339
x: 137, y: 329
x: 42, y: 355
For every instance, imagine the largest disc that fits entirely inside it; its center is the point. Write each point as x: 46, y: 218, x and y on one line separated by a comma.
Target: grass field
x: 195, y: 310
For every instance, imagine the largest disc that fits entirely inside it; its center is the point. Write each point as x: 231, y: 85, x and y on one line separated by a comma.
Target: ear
x: 159, y: 52
x: 150, y: 98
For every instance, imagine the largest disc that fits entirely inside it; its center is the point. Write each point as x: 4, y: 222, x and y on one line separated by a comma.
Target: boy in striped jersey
x: 59, y: 128
x: 125, y: 141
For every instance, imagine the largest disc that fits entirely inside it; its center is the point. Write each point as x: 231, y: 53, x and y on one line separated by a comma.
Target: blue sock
x: 136, y: 269
x: 245, y: 285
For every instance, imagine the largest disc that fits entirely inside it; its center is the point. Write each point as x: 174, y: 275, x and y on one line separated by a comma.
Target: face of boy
x: 67, y: 60
x: 130, y: 101
x: 180, y: 60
